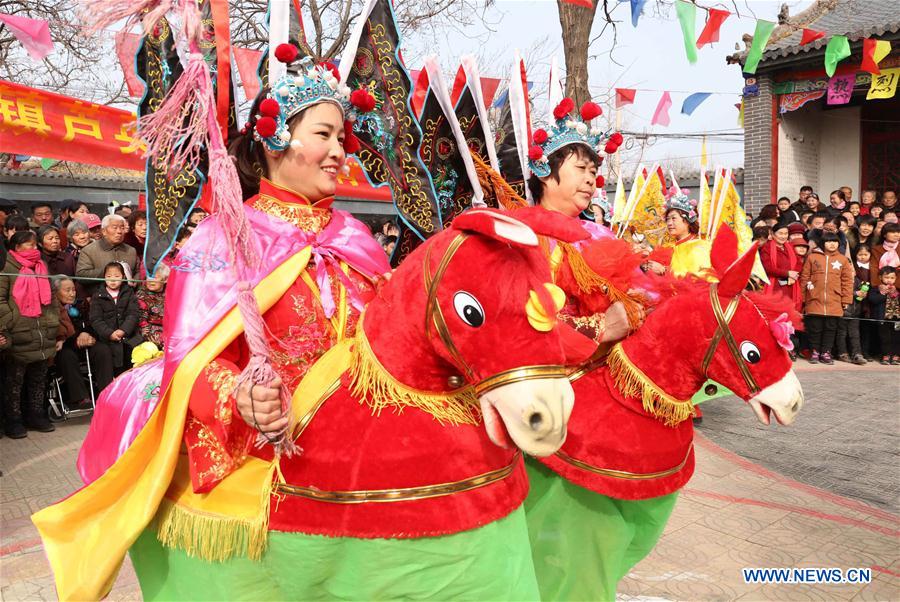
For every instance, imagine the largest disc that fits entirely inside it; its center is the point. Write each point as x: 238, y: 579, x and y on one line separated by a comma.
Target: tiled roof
x: 856, y: 19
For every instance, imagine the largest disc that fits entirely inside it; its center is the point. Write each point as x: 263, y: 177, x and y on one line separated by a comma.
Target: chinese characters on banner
x: 840, y: 89
x: 884, y: 85
x: 44, y: 124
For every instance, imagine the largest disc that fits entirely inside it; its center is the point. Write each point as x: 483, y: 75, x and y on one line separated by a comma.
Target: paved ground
x: 741, y: 509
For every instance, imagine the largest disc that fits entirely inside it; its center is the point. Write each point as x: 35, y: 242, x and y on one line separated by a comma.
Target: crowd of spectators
x: 73, y: 292
x: 838, y: 260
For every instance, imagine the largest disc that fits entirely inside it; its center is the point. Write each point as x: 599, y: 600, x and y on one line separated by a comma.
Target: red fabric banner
x: 458, y: 84
x: 624, y: 96
x: 44, y: 124
x: 810, y: 35
x: 489, y: 87
x: 714, y: 22
x: 247, y: 61
x: 419, y: 90
x: 127, y: 45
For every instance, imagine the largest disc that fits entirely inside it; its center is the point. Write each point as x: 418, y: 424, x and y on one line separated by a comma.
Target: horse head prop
x: 723, y: 332
x: 473, y: 312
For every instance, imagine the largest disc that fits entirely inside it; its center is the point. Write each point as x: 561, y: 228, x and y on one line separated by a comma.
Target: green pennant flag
x: 760, y: 39
x: 837, y: 50
x: 687, y: 14
x: 48, y: 163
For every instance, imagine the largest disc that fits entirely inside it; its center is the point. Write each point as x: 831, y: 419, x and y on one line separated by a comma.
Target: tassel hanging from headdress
x: 493, y: 184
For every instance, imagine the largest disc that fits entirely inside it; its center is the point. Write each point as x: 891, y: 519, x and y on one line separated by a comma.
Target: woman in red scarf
x: 781, y: 264
x: 28, y: 320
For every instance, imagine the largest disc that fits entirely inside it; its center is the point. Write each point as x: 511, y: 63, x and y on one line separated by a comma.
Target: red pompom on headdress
x: 590, y: 110
x: 616, y: 139
x: 286, y: 53
x: 269, y: 107
x: 266, y: 126
x: 600, y: 181
x: 610, y: 147
x: 535, y: 152
x: 540, y: 136
x: 564, y: 107
x: 351, y: 142
x: 363, y: 100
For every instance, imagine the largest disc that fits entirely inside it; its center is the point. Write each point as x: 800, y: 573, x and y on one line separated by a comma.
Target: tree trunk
x: 576, y: 24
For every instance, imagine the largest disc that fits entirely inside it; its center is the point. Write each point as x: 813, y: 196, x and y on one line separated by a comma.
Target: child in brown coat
x: 827, y: 284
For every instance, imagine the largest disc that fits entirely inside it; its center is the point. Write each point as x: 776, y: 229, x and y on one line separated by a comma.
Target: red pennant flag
x: 419, y: 91
x: 584, y: 3
x: 874, y: 52
x: 127, y: 45
x: 247, y: 63
x: 714, y: 22
x: 624, y: 96
x: 458, y: 84
x: 489, y: 87
x: 811, y: 35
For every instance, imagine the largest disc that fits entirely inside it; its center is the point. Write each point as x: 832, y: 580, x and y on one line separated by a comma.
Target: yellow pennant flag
x: 735, y: 217
x: 704, y: 159
x: 636, y: 185
x: 704, y: 202
x: 884, y: 85
x: 649, y: 217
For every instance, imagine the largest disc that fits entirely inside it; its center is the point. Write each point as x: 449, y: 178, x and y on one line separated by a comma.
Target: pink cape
x: 202, y: 284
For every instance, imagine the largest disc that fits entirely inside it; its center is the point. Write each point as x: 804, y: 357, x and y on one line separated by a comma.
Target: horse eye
x: 750, y: 352
x: 468, y: 309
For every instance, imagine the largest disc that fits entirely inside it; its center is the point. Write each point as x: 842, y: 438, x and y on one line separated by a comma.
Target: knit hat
x: 796, y: 228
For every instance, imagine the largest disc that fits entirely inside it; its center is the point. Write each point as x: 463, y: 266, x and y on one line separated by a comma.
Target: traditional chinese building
x: 802, y: 127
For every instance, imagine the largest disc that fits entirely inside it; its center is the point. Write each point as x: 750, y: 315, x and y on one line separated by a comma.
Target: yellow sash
x: 87, y: 535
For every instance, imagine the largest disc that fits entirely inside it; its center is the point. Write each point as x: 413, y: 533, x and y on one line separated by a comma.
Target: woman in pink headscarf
x: 29, y: 319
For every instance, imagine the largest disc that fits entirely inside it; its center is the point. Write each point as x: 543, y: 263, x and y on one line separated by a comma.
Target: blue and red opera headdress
x: 310, y: 85
x: 679, y: 199
x: 567, y: 130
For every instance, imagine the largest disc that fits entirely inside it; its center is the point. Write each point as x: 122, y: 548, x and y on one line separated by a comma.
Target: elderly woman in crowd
x: 137, y: 232
x: 75, y: 339
x: 57, y: 260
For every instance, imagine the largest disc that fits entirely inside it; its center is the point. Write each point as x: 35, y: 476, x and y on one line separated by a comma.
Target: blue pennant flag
x: 637, y: 6
x: 504, y: 97
x: 693, y: 101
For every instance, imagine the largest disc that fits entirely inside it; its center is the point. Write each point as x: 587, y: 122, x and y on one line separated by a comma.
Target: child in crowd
x: 114, y: 316
x: 867, y: 331
x: 826, y: 282
x: 885, y: 306
x: 150, y: 299
x: 847, y: 343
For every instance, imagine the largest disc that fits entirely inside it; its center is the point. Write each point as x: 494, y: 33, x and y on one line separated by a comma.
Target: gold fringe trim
x: 590, y: 281
x: 373, y: 385
x: 212, y: 536
x: 632, y: 382
x: 496, y: 187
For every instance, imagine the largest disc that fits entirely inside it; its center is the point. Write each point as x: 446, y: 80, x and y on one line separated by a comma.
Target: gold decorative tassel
x: 373, y: 385
x: 214, y: 538
x: 590, y: 281
x: 496, y: 187
x: 632, y: 382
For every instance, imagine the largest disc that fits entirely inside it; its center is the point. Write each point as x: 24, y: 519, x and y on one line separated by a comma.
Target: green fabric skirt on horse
x: 583, y: 542
x: 489, y: 563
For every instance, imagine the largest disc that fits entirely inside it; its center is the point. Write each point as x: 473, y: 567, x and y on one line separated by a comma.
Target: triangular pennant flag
x: 624, y: 96
x: 704, y: 158
x: 33, y: 34
x: 714, y: 22
x: 637, y: 6
x: 661, y: 114
x: 247, y: 61
x: 489, y: 87
x: 419, y: 92
x: 458, y: 84
x: 837, y: 50
x: 740, y: 107
x: 810, y: 35
x: 127, y: 45
x: 584, y: 3
x: 687, y: 16
x: 874, y: 52
x: 693, y: 101
x: 760, y: 38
